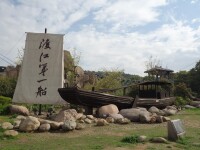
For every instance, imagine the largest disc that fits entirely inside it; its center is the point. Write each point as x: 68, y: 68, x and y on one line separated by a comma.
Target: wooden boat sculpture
x: 78, y: 96
x: 153, y: 93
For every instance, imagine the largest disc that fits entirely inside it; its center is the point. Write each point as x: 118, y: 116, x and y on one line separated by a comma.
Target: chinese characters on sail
x: 43, y: 67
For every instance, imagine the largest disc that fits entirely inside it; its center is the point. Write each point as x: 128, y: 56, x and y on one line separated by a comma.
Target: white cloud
x: 196, y: 20
x: 130, y: 13
x: 33, y: 16
x: 130, y: 51
x: 100, y: 40
x: 194, y: 1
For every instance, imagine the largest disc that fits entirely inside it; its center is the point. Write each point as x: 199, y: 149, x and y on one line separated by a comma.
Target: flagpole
x: 40, y: 105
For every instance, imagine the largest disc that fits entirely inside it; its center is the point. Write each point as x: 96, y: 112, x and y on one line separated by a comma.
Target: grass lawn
x: 108, y: 137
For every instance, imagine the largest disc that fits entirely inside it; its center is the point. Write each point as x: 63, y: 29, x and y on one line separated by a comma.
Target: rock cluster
x: 68, y: 120
x: 152, y: 115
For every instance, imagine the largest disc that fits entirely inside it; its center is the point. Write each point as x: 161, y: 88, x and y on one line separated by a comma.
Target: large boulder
x: 7, y: 126
x: 69, y: 125
x: 53, y: 124
x: 21, y: 110
x: 154, y: 109
x: 44, y: 127
x: 102, y: 122
x: 122, y: 121
x: 16, y: 123
x: 195, y: 103
x: 115, y: 116
x: 80, y: 126
x: 29, y: 124
x: 133, y: 114
x: 161, y: 113
x: 10, y: 133
x: 64, y: 115
x: 159, y: 140
x: 20, y: 117
x: 88, y: 121
x: 159, y: 119
x: 142, y: 138
x: 104, y: 111
x: 110, y: 120
x: 189, y: 107
x: 169, y: 112
x: 91, y: 117
x: 144, y: 117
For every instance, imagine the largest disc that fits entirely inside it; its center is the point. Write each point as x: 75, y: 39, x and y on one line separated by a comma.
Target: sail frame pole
x: 40, y: 105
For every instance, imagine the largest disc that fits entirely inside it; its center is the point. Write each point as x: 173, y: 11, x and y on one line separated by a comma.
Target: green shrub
x: 7, y: 86
x: 5, y: 100
x: 4, y: 103
x: 180, y: 101
x: 181, y: 90
x: 131, y: 139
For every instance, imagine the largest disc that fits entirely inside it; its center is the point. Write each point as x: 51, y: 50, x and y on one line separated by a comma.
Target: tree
x: 109, y: 80
x: 194, y: 78
x: 181, y: 77
x: 152, y: 62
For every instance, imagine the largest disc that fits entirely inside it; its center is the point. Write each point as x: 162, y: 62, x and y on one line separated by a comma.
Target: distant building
x: 2, y: 71
x: 9, y: 71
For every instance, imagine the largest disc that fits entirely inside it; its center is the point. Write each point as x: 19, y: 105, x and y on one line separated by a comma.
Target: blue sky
x: 108, y: 34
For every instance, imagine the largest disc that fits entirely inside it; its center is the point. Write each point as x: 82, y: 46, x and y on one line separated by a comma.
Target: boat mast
x: 40, y: 105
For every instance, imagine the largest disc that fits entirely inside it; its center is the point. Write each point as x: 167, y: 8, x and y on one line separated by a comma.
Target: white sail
x: 42, y: 69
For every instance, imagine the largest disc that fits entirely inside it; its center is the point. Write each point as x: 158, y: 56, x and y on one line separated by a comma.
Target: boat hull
x: 94, y: 99
x: 159, y: 103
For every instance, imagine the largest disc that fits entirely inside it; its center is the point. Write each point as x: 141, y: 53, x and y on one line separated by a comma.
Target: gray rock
x: 154, y: 109
x: 83, y: 117
x: 189, y: 107
x: 54, y: 125
x: 153, y: 119
x: 101, y: 122
x: 88, y: 121
x: 91, y: 117
x: 21, y: 110
x: 29, y: 124
x: 69, y: 125
x: 81, y: 121
x: 115, y: 116
x: 65, y: 115
x: 44, y: 127
x: 80, y: 126
x: 79, y: 116
x: 20, y: 117
x: 165, y: 119
x: 110, y: 120
x: 159, y: 119
x: 16, y: 124
x: 169, y: 112
x: 7, y: 126
x: 123, y: 121
x: 104, y: 111
x: 12, y: 133
x: 195, y: 103
x: 161, y: 113
x: 132, y: 114
x: 145, y: 117
x: 142, y: 138
x: 159, y: 140
x: 198, y: 106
